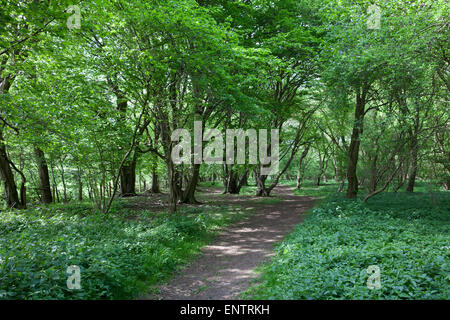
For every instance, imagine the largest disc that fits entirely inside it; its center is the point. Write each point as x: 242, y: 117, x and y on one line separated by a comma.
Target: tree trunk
x: 413, y: 169
x: 128, y: 179
x: 300, y: 168
x: 399, y: 185
x: 371, y: 194
x: 319, y: 176
x: 155, y: 182
x: 174, y: 186
x: 44, y: 178
x: 335, y: 167
x: 7, y: 176
x: 373, y: 181
x: 261, y: 185
x: 23, y: 194
x: 234, y: 183
x: 231, y: 186
x: 80, y: 185
x: 63, y: 180
x: 189, y: 192
x: 353, y: 152
x: 55, y: 186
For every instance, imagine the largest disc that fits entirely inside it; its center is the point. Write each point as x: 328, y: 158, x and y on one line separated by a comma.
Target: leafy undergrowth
x: 309, y: 188
x: 327, y: 256
x: 118, y: 258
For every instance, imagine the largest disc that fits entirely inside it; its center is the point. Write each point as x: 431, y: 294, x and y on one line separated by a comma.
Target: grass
x: 249, y: 190
x: 118, y: 258
x: 310, y: 189
x: 326, y: 257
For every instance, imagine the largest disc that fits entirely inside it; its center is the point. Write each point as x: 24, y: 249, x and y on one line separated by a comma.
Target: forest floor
x: 220, y: 249
x: 226, y: 267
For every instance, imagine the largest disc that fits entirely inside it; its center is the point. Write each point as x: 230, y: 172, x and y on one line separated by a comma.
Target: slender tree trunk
x: 80, y: 185
x: 34, y: 182
x: 172, y: 175
x: 371, y: 194
x: 23, y: 193
x: 399, y: 185
x: 413, y: 169
x: 300, y: 167
x: 319, y: 176
x: 63, y: 179
x: 335, y: 167
x: 373, y: 175
x: 44, y: 178
x: 353, y: 152
x: 55, y: 186
x: 155, y: 188
x: 261, y: 185
x: 90, y: 193
x: 23, y: 188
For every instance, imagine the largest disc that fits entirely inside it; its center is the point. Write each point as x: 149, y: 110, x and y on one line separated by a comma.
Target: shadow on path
x: 226, y: 267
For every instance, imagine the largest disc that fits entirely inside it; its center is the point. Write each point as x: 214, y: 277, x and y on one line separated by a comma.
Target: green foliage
x: 119, y: 258
x: 327, y: 256
x: 94, y: 98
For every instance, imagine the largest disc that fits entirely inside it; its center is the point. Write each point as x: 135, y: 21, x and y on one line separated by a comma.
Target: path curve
x: 226, y: 267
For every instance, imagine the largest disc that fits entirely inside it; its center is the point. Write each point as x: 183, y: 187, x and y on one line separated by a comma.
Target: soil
x: 226, y: 267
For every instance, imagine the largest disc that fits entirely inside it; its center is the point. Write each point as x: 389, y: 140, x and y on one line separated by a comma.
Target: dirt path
x: 226, y: 267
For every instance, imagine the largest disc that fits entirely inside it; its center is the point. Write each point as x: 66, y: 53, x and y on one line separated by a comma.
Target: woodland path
x: 226, y: 267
